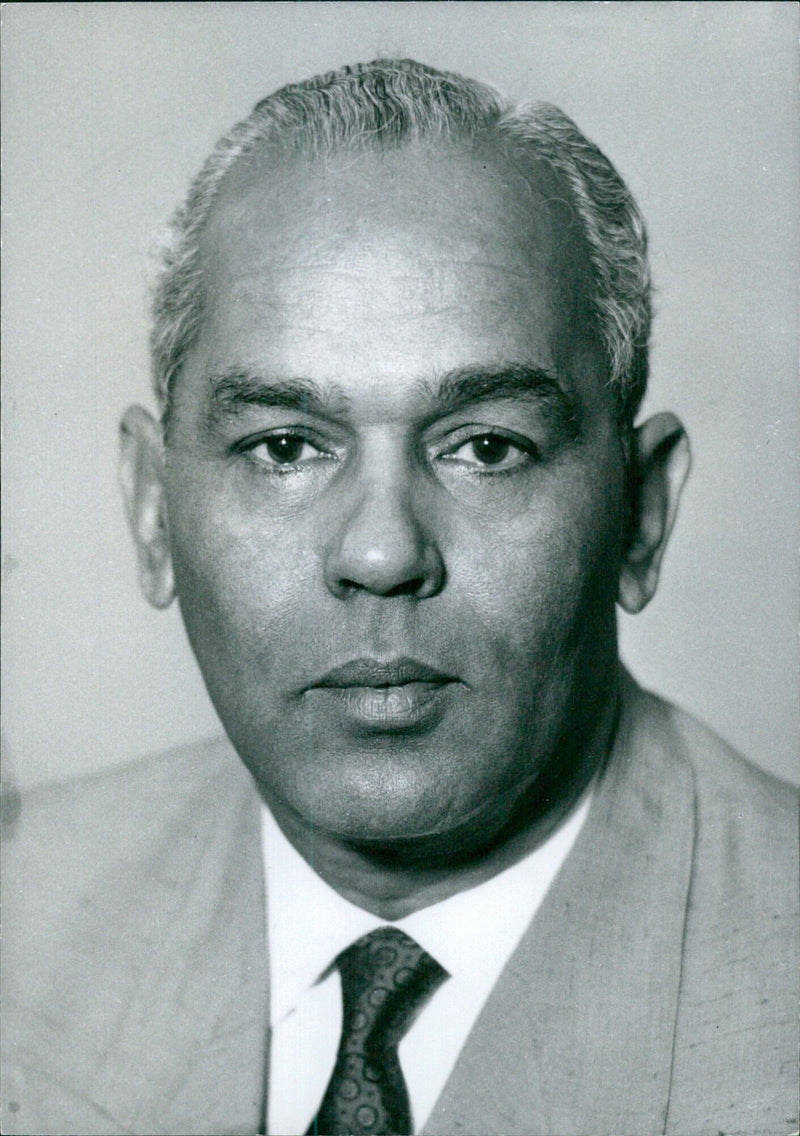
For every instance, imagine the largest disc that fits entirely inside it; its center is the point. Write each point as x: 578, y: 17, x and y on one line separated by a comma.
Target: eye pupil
x: 285, y: 447
x: 490, y: 449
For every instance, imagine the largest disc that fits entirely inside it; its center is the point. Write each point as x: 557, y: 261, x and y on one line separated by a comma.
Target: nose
x: 381, y: 546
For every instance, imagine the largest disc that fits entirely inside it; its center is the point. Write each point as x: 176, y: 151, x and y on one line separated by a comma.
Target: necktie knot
x: 386, y: 979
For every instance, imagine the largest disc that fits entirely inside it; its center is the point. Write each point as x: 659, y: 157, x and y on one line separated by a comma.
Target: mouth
x: 372, y: 673
x: 397, y: 695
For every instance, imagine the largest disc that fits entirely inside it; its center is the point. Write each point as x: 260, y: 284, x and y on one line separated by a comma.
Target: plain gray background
x: 108, y: 111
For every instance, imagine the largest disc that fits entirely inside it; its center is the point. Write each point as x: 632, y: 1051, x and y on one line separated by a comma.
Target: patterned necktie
x: 386, y: 979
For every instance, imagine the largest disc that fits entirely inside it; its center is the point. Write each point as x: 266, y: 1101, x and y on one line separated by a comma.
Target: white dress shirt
x: 471, y: 934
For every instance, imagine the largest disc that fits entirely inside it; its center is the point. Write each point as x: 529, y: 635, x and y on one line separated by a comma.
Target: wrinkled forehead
x: 394, y: 236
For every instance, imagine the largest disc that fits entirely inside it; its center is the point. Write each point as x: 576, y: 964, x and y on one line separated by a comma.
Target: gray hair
x: 388, y: 103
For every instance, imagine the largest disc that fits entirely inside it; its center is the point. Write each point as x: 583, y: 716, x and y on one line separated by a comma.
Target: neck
x: 393, y: 881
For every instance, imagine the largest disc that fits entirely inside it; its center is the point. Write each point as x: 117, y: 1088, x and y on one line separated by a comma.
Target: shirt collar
x: 472, y: 934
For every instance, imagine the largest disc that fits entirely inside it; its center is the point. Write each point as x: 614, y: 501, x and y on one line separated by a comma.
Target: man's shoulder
x: 745, y: 869
x: 726, y: 784
x: 735, y: 1042
x: 743, y: 821
x: 196, y: 761
x: 124, y: 798
x: 82, y: 841
x: 724, y: 767
x: 132, y: 935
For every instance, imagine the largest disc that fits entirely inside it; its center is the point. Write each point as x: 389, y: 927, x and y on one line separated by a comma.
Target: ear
x: 141, y: 470
x: 661, y: 463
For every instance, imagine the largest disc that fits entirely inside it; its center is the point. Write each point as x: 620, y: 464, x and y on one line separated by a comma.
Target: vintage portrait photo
x: 400, y: 658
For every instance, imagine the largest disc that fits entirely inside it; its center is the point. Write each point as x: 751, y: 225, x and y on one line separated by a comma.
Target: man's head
x: 399, y: 344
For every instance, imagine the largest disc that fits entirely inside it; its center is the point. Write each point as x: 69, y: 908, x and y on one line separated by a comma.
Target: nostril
x: 413, y: 587
x: 408, y: 587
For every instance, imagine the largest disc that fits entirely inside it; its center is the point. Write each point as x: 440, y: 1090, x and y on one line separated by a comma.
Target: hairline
x: 505, y: 127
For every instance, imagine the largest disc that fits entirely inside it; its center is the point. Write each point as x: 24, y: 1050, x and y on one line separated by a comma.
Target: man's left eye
x: 488, y: 450
x: 284, y: 449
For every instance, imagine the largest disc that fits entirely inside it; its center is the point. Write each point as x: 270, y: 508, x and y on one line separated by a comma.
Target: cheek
x: 542, y: 590
x: 240, y: 586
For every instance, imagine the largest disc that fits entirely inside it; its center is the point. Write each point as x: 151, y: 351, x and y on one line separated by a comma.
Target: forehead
x: 398, y: 262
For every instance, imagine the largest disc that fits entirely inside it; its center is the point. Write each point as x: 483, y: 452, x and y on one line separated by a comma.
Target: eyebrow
x: 466, y: 386
x: 239, y: 388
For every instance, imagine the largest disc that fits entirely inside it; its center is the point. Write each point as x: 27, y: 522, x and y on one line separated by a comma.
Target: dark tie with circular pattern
x: 386, y: 979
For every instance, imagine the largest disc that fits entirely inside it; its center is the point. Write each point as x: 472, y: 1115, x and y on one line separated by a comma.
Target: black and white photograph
x: 401, y: 671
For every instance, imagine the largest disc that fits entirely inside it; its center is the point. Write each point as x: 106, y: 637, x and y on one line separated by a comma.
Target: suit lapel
x: 577, y: 1035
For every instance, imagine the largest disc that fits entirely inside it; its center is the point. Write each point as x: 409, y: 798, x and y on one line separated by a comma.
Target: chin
x: 382, y: 806
x: 383, y: 822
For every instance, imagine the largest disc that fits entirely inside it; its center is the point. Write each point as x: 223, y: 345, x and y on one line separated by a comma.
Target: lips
x: 371, y: 672
x: 397, y: 695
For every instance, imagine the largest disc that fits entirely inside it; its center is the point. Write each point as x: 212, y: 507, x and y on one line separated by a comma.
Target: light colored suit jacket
x: 654, y: 992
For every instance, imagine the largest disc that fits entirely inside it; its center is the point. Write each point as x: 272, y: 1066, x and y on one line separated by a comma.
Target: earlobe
x: 661, y: 465
x: 141, y: 466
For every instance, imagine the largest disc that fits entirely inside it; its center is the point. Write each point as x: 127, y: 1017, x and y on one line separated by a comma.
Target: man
x: 473, y: 879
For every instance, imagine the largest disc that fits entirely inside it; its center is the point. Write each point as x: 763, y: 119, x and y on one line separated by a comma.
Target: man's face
x: 395, y: 489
